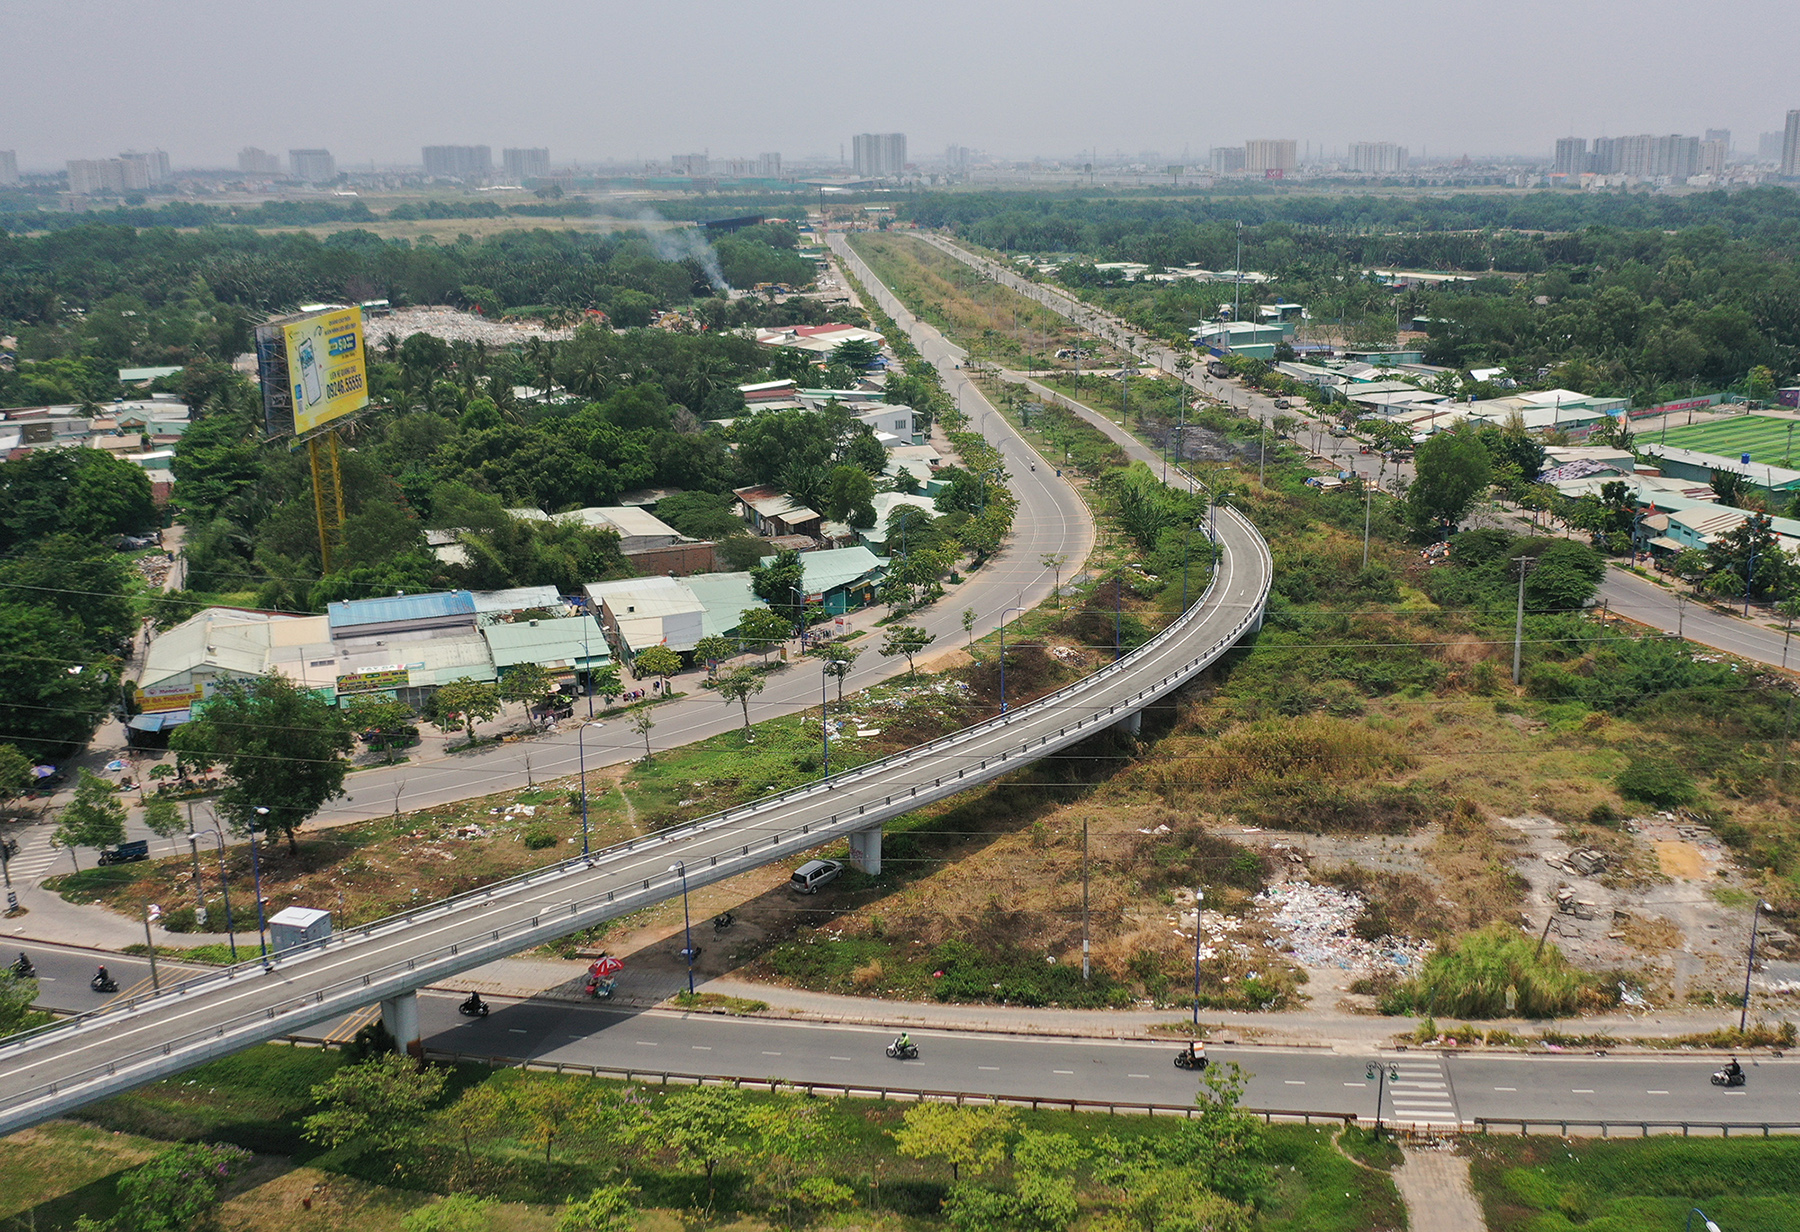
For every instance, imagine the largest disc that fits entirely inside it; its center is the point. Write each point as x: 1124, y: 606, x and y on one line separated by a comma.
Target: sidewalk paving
x: 1435, y: 1186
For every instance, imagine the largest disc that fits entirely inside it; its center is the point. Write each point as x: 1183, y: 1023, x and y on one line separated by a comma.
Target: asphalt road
x: 1051, y: 519
x: 1431, y: 1089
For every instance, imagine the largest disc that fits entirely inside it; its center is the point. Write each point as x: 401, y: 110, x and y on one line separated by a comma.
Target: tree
x: 1751, y: 553
x: 963, y: 1137
x: 178, y: 1189
x: 656, y: 661
x: 606, y: 682
x: 1729, y: 487
x: 1453, y: 469
x: 707, y: 1125
x: 378, y: 1103
x: 282, y: 748
x: 840, y: 660
x: 643, y: 724
x: 163, y: 817
x: 1566, y: 577
x: 463, y: 703
x: 607, y: 1209
x: 968, y: 623
x: 527, y: 683
x: 385, y: 721
x: 451, y: 1213
x: 780, y: 583
x: 701, y: 515
x: 904, y: 482
x: 764, y: 629
x: 740, y: 685
x: 850, y: 492
x: 15, y: 774
x: 1054, y: 561
x: 856, y: 354
x: 94, y: 818
x: 906, y: 640
x: 713, y: 650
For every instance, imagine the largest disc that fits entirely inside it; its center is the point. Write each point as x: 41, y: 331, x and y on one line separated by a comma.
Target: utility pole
x: 1524, y: 563
x: 1368, y: 507
x: 1085, y: 968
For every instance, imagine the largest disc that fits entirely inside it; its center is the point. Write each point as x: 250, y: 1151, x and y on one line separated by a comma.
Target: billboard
x: 372, y: 679
x: 312, y: 369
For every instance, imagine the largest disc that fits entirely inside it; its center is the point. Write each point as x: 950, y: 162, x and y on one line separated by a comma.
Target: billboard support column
x: 328, y: 493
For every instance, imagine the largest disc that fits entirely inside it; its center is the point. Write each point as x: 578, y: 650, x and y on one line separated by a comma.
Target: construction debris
x: 1319, y: 923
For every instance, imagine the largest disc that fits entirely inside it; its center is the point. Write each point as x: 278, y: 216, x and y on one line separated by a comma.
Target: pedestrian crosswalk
x: 1419, y: 1091
x: 37, y: 861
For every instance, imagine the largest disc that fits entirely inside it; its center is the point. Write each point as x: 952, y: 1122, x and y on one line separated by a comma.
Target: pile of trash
x: 454, y: 325
x: 1319, y: 925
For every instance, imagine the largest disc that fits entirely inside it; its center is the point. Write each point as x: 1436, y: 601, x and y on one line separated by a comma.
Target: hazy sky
x: 376, y: 79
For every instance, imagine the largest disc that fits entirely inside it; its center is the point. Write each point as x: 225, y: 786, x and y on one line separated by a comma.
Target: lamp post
x: 1184, y: 562
x: 224, y: 882
x: 1379, y: 1074
x: 1705, y: 1223
x: 799, y: 614
x: 581, y: 766
x: 1199, y: 899
x: 1750, y: 963
x: 12, y: 898
x: 830, y: 668
x: 256, y: 875
x: 1003, y: 612
x: 680, y: 866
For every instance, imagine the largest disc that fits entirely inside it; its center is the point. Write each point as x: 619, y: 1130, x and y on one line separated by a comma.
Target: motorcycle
x: 903, y: 1052
x: 474, y: 1007
x: 103, y: 982
x: 24, y: 968
x: 1189, y: 1060
x: 1725, y: 1078
x: 723, y: 921
x: 601, y: 989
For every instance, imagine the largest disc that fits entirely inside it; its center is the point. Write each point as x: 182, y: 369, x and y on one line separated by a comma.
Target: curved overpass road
x: 45, y: 1074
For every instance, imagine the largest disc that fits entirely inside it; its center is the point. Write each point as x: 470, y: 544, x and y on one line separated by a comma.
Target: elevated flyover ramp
x: 46, y: 1073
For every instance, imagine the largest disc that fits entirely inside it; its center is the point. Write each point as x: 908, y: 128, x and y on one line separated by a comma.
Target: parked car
x: 814, y: 873
x: 126, y: 853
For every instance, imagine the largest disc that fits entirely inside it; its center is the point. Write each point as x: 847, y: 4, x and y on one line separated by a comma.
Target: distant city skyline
x: 1015, y: 81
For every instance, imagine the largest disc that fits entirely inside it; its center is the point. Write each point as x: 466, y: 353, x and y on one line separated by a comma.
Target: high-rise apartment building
x: 768, y: 166
x: 1226, y: 159
x: 689, y: 164
x: 9, y: 168
x: 252, y: 161
x: 458, y: 162
x: 1647, y: 156
x: 91, y: 176
x: 1270, y: 156
x: 1377, y: 157
x: 312, y: 166
x: 145, y: 170
x: 1571, y: 156
x: 1790, y: 145
x: 1719, y: 134
x: 522, y: 165
x: 1714, y: 154
x: 1768, y: 147
x: 879, y: 155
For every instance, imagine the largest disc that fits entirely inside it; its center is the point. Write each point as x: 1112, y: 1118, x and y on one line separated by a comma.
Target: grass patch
x: 1370, y: 1149
x: 719, y: 1003
x: 1647, y: 1185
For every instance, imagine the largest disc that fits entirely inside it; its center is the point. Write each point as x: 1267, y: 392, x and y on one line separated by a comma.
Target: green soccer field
x: 1764, y: 439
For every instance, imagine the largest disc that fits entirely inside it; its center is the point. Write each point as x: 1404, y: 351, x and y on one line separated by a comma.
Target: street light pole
x: 256, y: 875
x: 224, y: 885
x: 199, y: 886
x: 581, y: 765
x: 1524, y: 563
x: 1199, y: 900
x: 680, y: 866
x: 1003, y: 612
x: 1750, y: 964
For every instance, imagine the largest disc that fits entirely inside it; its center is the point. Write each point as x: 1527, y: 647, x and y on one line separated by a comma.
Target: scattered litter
x: 1319, y: 925
x: 1160, y: 829
x: 868, y: 731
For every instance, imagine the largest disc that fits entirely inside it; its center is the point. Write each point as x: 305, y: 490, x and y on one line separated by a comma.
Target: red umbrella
x: 606, y: 965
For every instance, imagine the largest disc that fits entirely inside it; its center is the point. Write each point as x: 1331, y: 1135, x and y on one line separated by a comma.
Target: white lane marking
x: 1069, y: 1072
x: 1137, y: 1075
x: 1295, y: 1082
x: 701, y: 1047
x: 1356, y: 1084
x: 1581, y: 1090
x: 1506, y: 1088
x: 912, y: 1062
x: 995, y: 1068
x: 840, y: 1058
x: 515, y: 1030
x: 767, y: 1053
x: 646, y: 1043
x: 1655, y: 1092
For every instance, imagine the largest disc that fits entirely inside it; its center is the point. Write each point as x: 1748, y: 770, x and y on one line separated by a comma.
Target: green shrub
x: 181, y: 920
x: 1656, y: 781
x: 1473, y: 975
x: 539, y: 837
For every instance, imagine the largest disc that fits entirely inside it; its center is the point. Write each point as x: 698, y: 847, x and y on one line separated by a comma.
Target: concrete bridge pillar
x: 400, y: 1015
x: 865, y: 850
x: 1132, y: 724
x: 1257, y: 624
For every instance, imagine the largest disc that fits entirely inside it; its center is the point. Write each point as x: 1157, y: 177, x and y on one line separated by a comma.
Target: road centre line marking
x: 767, y: 1053
x: 1131, y: 1075
x: 1655, y: 1092
x: 646, y: 1043
x: 1069, y: 1072
x: 1356, y: 1084
x: 516, y: 1031
x: 840, y: 1058
x: 1506, y: 1088
x: 1295, y: 1082
x: 995, y: 1068
x: 701, y: 1047
x: 1581, y: 1090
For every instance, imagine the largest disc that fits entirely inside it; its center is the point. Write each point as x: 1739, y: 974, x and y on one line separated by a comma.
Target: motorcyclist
x: 904, y: 1043
x: 1733, y: 1071
x: 23, y: 966
x: 101, y: 978
x: 1196, y: 1052
x: 473, y: 1004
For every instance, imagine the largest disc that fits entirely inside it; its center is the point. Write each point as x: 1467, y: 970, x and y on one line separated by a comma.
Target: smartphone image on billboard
x: 309, y: 373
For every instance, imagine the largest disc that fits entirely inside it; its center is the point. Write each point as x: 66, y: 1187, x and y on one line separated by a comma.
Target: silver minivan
x: 814, y: 873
